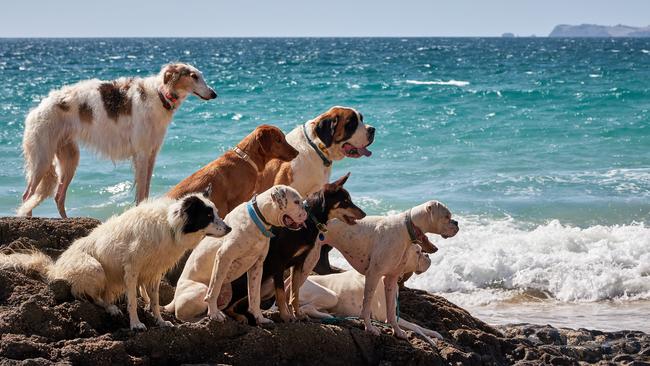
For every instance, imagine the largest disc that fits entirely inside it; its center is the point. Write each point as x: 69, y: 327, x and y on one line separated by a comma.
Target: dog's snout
x: 371, y: 134
x: 228, y: 229
x: 213, y: 94
x: 454, y: 222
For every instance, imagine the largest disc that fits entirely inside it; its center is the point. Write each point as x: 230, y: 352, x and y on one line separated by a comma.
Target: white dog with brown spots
x: 215, y: 263
x: 122, y: 119
x: 377, y: 246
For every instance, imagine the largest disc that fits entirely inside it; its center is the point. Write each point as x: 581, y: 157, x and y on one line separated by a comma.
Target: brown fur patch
x: 85, y: 113
x: 63, y: 105
x: 115, y: 98
x: 142, y: 91
x: 175, y: 77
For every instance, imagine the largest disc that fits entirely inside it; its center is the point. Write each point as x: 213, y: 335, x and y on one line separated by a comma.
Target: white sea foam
x: 439, y: 82
x: 491, y: 261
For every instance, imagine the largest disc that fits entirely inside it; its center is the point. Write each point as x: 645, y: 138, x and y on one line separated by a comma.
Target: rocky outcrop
x: 594, y: 30
x: 41, y: 324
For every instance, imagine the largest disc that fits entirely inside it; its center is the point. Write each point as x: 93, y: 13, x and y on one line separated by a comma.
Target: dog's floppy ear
x: 326, y: 128
x: 341, y: 181
x: 207, y: 193
x: 171, y: 74
x: 263, y: 138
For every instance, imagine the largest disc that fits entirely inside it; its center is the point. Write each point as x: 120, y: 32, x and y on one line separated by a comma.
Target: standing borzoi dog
x: 122, y: 119
x: 127, y: 251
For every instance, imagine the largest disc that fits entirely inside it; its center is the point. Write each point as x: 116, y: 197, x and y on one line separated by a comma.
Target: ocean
x: 540, y: 147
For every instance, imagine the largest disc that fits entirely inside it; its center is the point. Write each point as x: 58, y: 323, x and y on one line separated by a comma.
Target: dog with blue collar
x: 204, y: 284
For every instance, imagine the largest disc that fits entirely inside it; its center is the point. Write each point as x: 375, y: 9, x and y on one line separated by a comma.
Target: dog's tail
x: 39, y: 148
x: 45, y: 189
x: 27, y: 261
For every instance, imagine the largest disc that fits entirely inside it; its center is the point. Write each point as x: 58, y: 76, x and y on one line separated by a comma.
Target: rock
x: 594, y: 30
x: 42, y: 324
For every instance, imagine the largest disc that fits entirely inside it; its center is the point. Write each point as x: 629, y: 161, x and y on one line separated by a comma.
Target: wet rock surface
x: 41, y: 324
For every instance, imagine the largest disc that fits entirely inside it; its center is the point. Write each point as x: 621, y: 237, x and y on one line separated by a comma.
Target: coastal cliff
x: 41, y: 324
x: 594, y: 30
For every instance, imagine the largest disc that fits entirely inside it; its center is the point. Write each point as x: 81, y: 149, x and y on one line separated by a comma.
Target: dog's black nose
x: 213, y: 94
x: 454, y: 222
x: 228, y: 229
x: 371, y: 134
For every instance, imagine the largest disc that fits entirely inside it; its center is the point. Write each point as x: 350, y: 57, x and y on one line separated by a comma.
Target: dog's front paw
x: 164, y: 323
x: 217, y: 315
x: 113, y: 310
x: 288, y: 318
x: 262, y: 320
x: 301, y: 315
x: 397, y: 332
x: 433, y: 333
x: 138, y: 326
x: 372, y: 329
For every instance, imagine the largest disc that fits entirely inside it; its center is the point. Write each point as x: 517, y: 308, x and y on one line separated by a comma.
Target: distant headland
x: 594, y: 30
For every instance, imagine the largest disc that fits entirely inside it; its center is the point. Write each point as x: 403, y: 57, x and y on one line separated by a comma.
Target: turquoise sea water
x: 540, y: 146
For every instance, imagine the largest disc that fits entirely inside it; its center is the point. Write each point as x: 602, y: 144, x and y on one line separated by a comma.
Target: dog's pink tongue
x: 364, y: 152
x: 356, y: 152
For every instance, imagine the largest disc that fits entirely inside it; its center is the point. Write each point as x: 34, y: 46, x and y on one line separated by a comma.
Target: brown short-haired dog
x: 233, y: 175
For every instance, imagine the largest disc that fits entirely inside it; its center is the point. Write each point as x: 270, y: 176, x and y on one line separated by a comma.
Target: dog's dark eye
x: 296, y: 202
x: 194, y: 76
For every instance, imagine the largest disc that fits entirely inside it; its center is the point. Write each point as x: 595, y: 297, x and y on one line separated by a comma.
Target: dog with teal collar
x: 204, y: 284
x: 288, y: 250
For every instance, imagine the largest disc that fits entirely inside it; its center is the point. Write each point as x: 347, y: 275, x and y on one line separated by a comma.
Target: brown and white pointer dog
x: 121, y: 119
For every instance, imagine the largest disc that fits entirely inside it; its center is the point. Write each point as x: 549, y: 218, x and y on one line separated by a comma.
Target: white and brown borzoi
x: 122, y: 119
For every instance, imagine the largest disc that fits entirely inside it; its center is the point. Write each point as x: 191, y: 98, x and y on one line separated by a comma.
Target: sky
x: 308, y: 18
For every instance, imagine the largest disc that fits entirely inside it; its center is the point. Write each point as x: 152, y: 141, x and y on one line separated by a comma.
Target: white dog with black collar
x: 376, y: 247
x: 341, y: 294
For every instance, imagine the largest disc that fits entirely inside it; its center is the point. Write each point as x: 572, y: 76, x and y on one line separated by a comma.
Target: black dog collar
x: 411, y: 228
x: 327, y: 162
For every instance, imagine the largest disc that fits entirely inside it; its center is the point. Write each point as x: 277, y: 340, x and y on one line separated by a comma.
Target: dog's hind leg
x: 416, y: 328
x: 131, y: 282
x: 68, y: 158
x: 372, y: 279
x: 150, y: 164
x: 87, y: 279
x: 390, y: 288
x: 188, y: 300
x: 140, y: 165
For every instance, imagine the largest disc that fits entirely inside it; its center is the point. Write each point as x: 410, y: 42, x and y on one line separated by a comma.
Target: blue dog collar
x: 256, y: 219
